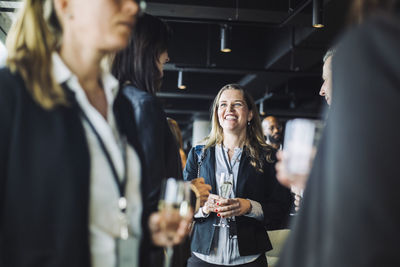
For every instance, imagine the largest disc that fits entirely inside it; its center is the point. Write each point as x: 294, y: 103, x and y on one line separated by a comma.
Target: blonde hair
x: 254, y: 145
x: 33, y: 37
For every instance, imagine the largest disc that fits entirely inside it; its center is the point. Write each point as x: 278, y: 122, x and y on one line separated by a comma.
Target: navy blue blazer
x: 261, y: 187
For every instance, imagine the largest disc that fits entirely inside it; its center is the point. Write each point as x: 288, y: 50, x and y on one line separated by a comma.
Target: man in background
x: 326, y: 88
x: 272, y: 129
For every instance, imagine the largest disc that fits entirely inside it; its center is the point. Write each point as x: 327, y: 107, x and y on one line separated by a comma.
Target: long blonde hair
x: 33, y: 37
x: 254, y: 145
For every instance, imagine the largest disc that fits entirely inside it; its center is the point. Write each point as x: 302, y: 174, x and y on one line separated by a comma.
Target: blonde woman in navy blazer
x: 259, y: 202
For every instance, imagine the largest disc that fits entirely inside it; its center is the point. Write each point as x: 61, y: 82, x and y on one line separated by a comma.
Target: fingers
x: 154, y: 222
x: 279, y: 155
x: 199, y: 180
x: 281, y: 175
x: 297, y: 201
x: 161, y: 226
x: 213, y: 196
x: 297, y: 198
x: 182, y: 232
x: 209, y: 206
x: 228, y: 208
x: 226, y: 201
x: 230, y: 213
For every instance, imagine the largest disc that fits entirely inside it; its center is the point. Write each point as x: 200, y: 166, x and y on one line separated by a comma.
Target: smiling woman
x: 235, y: 148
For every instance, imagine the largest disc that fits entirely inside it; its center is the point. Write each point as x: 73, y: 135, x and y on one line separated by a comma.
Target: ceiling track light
x: 262, y: 113
x: 180, y: 80
x: 318, y: 14
x: 225, y: 38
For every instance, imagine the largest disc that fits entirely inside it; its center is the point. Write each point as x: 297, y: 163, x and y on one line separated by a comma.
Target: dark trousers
x: 196, y: 262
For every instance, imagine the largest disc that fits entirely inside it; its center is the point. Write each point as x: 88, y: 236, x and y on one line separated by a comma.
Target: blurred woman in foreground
x: 69, y: 168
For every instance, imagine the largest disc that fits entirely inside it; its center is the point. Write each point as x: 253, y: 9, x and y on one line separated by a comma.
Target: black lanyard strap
x: 121, y: 184
x: 227, y: 163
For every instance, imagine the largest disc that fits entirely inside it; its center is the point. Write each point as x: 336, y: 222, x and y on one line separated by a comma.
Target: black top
x: 44, y: 178
x: 251, y: 184
x: 161, y: 160
x: 350, y: 212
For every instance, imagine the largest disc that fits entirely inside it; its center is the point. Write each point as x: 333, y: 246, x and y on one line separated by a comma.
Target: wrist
x: 205, y: 210
x: 250, y: 208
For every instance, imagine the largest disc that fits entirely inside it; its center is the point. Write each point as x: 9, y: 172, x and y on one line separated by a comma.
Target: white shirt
x: 104, y: 224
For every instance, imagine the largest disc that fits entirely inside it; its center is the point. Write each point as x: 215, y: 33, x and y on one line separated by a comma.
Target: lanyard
x: 227, y: 163
x: 121, y: 184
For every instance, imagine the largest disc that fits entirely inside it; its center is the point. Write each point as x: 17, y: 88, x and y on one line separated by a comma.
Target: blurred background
x: 273, y: 48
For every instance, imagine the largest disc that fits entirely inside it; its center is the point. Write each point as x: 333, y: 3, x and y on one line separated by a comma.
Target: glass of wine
x: 174, y: 204
x: 301, y: 139
x: 224, y: 191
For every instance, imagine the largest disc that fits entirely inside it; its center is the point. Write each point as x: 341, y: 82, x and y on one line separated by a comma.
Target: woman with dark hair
x: 141, y: 63
x: 139, y: 69
x: 236, y: 148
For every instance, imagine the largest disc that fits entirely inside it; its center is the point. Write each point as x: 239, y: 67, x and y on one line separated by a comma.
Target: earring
x: 248, y: 123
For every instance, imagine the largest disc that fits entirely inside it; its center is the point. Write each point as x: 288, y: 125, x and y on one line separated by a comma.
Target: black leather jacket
x: 160, y: 157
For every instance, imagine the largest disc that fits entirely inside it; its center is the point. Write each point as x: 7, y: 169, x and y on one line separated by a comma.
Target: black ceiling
x: 275, y: 53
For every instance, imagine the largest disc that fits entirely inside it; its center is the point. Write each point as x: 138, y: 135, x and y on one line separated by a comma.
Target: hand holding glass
x: 301, y: 138
x: 174, y: 206
x: 225, y: 190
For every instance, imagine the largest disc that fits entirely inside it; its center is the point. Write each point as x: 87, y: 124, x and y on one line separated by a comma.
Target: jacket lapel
x: 243, y: 174
x: 209, y: 166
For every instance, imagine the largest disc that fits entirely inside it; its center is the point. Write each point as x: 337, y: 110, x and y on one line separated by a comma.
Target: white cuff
x: 201, y: 214
x: 256, y: 211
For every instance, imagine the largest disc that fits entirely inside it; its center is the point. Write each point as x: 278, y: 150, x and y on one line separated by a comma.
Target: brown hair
x: 255, y: 145
x: 173, y: 125
x: 30, y: 43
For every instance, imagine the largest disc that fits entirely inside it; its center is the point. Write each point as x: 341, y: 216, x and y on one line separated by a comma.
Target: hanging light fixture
x: 318, y: 14
x: 225, y: 42
x: 262, y: 113
x: 180, y: 80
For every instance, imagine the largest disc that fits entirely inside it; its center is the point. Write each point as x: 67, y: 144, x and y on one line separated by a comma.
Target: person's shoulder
x: 137, y: 94
x: 9, y: 78
x: 9, y: 83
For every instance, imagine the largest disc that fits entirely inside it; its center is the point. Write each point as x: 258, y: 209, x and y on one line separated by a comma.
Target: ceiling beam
x: 233, y: 70
x: 232, y: 16
x: 182, y: 111
x: 185, y: 96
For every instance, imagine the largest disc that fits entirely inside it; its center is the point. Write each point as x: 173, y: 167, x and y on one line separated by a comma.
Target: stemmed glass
x: 174, y: 204
x: 301, y: 139
x: 225, y: 189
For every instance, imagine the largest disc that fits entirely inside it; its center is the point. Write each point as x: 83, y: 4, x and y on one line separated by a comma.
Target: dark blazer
x: 161, y: 160
x: 44, y: 178
x: 350, y: 212
x: 261, y: 187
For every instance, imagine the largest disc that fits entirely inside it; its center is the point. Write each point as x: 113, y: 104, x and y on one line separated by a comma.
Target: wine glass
x: 174, y: 204
x: 225, y: 189
x: 301, y: 139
